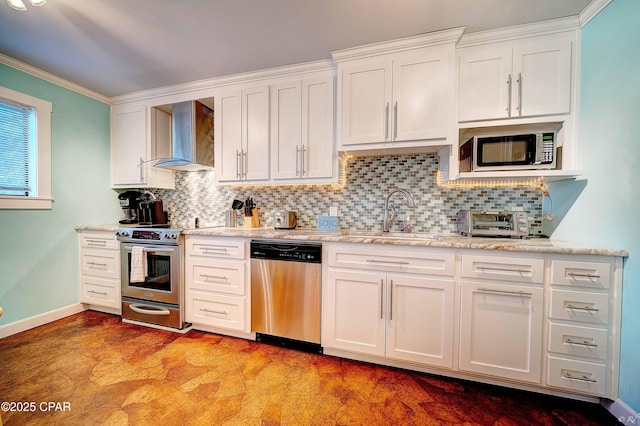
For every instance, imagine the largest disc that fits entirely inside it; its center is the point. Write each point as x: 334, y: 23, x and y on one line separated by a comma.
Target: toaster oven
x: 496, y: 223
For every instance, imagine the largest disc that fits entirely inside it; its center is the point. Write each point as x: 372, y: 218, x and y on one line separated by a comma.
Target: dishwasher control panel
x: 286, y: 250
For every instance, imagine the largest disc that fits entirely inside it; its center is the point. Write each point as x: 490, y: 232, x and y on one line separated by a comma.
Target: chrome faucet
x: 389, y: 218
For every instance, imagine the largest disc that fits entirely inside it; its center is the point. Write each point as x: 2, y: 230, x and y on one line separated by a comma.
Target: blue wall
x: 606, y: 213
x: 38, y: 248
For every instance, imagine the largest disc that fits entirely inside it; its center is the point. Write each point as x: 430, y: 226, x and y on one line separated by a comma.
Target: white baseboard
x: 38, y: 320
x: 621, y: 411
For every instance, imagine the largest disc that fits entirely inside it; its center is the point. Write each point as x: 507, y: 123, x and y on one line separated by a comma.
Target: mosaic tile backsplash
x: 360, y: 199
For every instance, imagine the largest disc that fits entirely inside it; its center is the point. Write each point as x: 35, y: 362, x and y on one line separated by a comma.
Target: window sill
x: 25, y: 203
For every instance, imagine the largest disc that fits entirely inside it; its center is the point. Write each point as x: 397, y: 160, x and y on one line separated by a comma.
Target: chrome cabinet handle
x: 395, y: 121
x: 570, y: 341
x: 491, y: 268
x: 97, y: 292
x: 97, y: 264
x: 392, y: 262
x: 582, y: 308
x: 245, y: 165
x: 577, y: 274
x: 386, y: 122
x: 381, y: 296
x: 238, y: 165
x: 519, y: 81
x: 304, y: 150
x: 509, y: 91
x: 515, y: 293
x: 391, y: 301
x: 297, y: 160
x: 582, y: 378
x: 218, y: 277
x: 217, y: 250
x: 208, y: 311
x: 97, y: 242
x: 141, y: 169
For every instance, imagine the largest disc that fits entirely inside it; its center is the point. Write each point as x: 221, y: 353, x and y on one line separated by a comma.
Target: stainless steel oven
x: 152, y: 276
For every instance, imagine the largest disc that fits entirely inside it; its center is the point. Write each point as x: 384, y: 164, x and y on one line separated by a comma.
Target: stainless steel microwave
x: 509, y: 151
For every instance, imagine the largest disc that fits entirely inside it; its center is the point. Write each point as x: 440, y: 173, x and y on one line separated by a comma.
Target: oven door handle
x: 151, y: 311
x: 155, y: 250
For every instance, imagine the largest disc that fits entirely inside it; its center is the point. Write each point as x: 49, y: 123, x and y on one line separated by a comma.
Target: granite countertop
x: 452, y: 241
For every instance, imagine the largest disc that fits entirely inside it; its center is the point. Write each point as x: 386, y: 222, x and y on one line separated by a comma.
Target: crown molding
x: 220, y: 82
x: 590, y: 12
x: 550, y: 26
x: 407, y: 43
x: 51, y: 78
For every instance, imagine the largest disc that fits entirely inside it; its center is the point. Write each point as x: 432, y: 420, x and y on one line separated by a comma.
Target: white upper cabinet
x: 242, y: 135
x: 302, y: 130
x: 396, y: 94
x: 522, y: 78
x: 139, y: 134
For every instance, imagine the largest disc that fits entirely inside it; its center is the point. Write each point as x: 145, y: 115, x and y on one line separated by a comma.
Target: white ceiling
x: 114, y: 47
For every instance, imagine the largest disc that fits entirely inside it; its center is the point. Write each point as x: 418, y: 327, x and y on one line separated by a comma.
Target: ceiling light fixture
x: 19, y: 4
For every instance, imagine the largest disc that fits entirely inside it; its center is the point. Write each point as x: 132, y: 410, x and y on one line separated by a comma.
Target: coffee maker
x: 129, y: 203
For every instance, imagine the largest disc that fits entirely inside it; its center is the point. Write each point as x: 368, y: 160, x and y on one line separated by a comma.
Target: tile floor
x: 97, y: 370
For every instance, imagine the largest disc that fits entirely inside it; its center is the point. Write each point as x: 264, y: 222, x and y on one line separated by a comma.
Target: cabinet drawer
x: 100, y: 263
x: 581, y: 341
x: 574, y: 375
x: 100, y: 291
x: 216, y: 275
x: 98, y: 241
x: 396, y: 260
x: 216, y: 310
x: 580, y: 306
x: 219, y: 247
x: 503, y: 268
x: 583, y: 274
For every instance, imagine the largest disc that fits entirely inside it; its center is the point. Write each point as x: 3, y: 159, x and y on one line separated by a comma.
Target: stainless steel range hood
x: 192, y: 138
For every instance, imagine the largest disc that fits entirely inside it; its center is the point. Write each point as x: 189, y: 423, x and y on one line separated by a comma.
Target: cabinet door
x: 484, y: 83
x: 420, y: 320
x: 420, y: 96
x: 286, y: 131
x: 542, y: 78
x: 255, y: 133
x: 228, y: 136
x: 353, y: 312
x: 501, y: 330
x: 128, y: 146
x: 161, y: 148
x: 318, y: 155
x: 366, y: 103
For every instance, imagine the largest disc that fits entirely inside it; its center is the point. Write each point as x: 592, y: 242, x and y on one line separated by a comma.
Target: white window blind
x: 17, y: 143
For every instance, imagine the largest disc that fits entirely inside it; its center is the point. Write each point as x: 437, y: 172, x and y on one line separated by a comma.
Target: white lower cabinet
x: 388, y: 314
x: 217, y: 283
x: 583, y: 341
x: 546, y: 322
x: 501, y: 330
x: 100, y: 271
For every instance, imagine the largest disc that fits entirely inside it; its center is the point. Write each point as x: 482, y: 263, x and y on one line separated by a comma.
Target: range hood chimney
x: 192, y: 138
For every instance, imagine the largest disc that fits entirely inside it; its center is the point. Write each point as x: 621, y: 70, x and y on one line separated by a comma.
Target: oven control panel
x: 151, y: 235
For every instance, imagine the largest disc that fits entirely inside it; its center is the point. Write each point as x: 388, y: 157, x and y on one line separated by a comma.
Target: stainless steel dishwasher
x: 285, y: 293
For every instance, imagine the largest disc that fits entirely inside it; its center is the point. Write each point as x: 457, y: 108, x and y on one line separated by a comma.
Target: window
x: 25, y: 151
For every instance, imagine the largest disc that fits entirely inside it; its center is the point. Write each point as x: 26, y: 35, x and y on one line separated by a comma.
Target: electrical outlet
x: 549, y: 216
